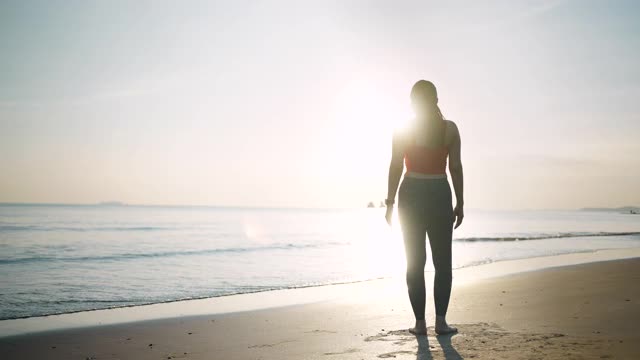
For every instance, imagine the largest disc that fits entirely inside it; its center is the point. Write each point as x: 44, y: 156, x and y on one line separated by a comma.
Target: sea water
x: 66, y: 258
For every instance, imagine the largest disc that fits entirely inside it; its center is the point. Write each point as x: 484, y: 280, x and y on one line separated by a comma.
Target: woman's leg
x: 440, y: 231
x: 414, y: 244
x: 440, y: 242
x: 414, y: 234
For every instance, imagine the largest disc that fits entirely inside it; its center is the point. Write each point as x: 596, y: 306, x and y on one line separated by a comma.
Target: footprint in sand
x: 270, y: 345
x: 396, y: 337
x: 320, y: 331
x: 348, y: 351
x: 395, y: 353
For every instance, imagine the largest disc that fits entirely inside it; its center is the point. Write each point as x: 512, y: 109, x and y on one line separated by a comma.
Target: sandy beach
x: 583, y: 311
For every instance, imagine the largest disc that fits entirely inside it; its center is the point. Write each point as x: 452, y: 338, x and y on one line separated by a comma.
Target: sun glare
x: 364, y: 116
x: 364, y: 104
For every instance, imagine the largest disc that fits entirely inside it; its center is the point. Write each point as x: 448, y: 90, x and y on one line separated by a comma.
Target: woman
x: 424, y: 200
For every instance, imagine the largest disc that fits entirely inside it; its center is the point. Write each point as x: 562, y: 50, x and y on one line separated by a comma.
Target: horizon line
x: 123, y: 204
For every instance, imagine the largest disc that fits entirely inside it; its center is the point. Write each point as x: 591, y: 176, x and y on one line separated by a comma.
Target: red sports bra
x: 427, y: 159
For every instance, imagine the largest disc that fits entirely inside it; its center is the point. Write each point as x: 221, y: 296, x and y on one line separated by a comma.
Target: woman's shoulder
x: 404, y: 132
x: 451, y: 127
x: 450, y: 124
x: 451, y: 132
x: 400, y: 136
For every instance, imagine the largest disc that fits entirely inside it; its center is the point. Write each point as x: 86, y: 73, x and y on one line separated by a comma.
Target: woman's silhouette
x: 424, y: 200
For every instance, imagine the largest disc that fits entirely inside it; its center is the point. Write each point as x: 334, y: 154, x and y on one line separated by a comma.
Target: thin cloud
x: 524, y: 14
x: 8, y: 104
x: 558, y: 161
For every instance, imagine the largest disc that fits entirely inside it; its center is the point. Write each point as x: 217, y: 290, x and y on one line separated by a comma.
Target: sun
x: 364, y: 116
x: 365, y: 105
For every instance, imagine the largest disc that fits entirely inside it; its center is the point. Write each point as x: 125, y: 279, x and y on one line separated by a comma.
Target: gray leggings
x: 424, y: 207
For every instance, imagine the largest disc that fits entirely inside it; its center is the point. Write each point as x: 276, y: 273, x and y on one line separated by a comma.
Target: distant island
x: 622, y: 209
x: 112, y: 203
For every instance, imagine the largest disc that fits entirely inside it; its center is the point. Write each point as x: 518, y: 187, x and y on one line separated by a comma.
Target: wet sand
x: 586, y: 311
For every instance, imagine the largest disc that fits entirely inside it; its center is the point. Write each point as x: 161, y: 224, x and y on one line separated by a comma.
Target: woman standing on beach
x: 424, y: 200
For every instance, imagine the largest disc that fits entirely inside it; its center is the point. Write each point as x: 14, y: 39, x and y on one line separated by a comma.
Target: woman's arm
x: 455, y: 168
x: 395, y: 172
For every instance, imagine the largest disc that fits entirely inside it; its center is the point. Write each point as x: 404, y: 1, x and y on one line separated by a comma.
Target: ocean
x: 67, y: 258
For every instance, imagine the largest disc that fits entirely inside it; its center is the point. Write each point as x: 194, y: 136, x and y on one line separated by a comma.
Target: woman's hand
x: 458, y: 215
x: 389, y: 214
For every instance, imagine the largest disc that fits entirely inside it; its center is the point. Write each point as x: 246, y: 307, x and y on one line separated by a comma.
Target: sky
x: 293, y: 103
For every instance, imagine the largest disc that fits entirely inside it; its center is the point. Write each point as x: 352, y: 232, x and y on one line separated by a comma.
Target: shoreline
x: 580, y: 311
x: 459, y: 269
x: 287, y: 297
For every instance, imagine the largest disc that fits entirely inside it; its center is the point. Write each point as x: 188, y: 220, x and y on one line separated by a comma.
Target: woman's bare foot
x: 442, y: 328
x: 420, y: 328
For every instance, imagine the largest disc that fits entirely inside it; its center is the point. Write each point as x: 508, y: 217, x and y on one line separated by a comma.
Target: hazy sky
x: 292, y: 103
